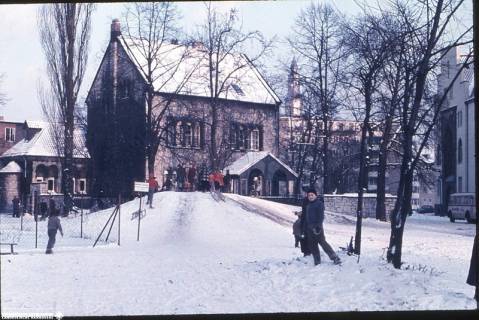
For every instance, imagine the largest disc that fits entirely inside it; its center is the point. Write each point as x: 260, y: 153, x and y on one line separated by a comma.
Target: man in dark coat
x: 180, y: 177
x: 314, y: 228
x: 16, y: 207
x: 303, y: 242
x: 192, y: 177
x: 472, y: 276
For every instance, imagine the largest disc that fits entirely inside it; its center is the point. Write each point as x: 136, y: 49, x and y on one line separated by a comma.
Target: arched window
x: 459, y: 151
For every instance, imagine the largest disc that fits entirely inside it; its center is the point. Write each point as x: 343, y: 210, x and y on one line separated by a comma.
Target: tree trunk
x: 382, y: 166
x: 150, y: 153
x: 362, y: 169
x: 213, y: 146
x: 67, y: 175
x: 326, y: 184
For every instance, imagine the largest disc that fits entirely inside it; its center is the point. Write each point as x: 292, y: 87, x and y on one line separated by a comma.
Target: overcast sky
x: 22, y: 61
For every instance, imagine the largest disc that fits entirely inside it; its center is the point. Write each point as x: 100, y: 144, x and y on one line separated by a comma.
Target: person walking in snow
x: 152, y: 187
x: 16, y: 207
x: 53, y: 226
x: 314, y: 228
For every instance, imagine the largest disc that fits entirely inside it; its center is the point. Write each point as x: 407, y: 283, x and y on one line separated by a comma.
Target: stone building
x: 456, y: 142
x: 33, y: 164
x: 248, y: 119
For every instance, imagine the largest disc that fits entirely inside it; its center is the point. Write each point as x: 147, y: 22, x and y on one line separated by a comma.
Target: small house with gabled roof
x: 35, y: 162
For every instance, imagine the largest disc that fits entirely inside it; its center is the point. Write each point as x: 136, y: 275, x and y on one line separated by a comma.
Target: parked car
x: 425, y: 209
x: 462, y: 206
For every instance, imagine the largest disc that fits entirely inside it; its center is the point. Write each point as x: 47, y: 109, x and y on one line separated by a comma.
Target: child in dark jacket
x: 297, y: 232
x: 53, y: 225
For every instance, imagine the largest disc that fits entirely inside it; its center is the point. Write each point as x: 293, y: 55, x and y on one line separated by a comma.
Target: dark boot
x: 317, y: 259
x: 336, y: 260
x: 49, y: 251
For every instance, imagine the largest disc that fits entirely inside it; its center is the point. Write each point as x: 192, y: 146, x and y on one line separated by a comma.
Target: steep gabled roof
x: 250, y: 159
x: 42, y: 143
x: 184, y: 70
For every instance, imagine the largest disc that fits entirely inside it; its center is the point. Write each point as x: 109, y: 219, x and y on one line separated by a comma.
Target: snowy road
x: 196, y: 255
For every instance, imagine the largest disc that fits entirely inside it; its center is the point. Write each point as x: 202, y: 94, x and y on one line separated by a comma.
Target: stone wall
x: 9, y: 183
x: 198, y: 109
x: 347, y: 204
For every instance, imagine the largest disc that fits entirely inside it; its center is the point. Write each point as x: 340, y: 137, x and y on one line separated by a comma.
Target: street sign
x: 141, y: 186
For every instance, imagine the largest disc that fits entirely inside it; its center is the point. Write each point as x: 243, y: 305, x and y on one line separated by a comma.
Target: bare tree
x: 64, y: 36
x: 368, y: 45
x: 316, y: 40
x: 151, y: 26
x: 224, y: 44
x: 427, y: 42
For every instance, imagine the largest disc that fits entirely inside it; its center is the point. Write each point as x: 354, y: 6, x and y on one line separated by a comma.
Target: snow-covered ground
x: 196, y: 255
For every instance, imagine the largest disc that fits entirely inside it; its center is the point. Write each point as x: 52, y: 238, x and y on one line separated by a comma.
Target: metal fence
x: 81, y: 227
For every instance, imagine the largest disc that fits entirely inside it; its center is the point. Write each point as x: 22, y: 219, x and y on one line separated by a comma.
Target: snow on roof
x: 184, y: 70
x: 11, y: 167
x: 42, y: 143
x: 250, y: 159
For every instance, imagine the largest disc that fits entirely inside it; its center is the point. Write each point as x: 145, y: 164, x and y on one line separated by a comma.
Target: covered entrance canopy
x: 262, y: 174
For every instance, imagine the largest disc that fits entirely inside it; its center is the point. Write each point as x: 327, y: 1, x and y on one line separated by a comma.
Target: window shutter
x: 247, y: 143
x: 260, y: 129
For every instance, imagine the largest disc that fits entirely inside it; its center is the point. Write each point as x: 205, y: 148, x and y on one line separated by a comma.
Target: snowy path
x: 196, y: 255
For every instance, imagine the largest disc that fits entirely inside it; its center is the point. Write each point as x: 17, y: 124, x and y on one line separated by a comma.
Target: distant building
x: 32, y: 166
x: 344, y: 145
x: 455, y: 145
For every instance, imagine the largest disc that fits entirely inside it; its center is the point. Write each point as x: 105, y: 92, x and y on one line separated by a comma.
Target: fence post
x: 139, y: 213
x: 81, y: 216
x: 119, y: 216
x: 36, y: 231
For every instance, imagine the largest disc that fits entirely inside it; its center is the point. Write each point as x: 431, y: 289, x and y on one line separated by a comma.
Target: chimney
x: 115, y: 29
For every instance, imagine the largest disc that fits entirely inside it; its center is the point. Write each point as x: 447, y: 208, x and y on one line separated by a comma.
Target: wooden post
x: 139, y: 213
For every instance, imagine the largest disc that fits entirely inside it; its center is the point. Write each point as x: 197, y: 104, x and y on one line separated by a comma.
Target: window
x: 459, y: 184
x: 254, y: 139
x: 237, y: 89
x: 233, y: 136
x: 82, y: 186
x: 10, y: 134
x: 187, y: 135
x: 459, y: 119
x: 242, y: 137
x: 51, y: 184
x: 124, y: 89
x: 196, y: 135
x: 459, y: 151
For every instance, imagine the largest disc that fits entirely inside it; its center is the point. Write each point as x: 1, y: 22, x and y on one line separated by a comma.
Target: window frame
x: 10, y: 134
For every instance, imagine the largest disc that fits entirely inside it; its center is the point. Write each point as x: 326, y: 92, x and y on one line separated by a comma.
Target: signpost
x: 140, y: 187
